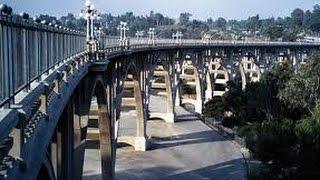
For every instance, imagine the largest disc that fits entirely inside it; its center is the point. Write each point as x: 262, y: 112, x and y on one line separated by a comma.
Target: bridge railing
x: 199, y: 42
x: 29, y: 49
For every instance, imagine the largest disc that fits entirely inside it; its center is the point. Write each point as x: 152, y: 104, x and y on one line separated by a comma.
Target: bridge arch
x: 92, y: 113
x: 217, y: 77
x: 249, y: 69
x: 130, y: 100
x: 162, y: 84
x: 190, y: 76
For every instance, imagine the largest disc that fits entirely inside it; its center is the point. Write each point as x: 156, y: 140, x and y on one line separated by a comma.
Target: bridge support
x: 132, y: 99
x: 249, y: 70
x: 140, y: 139
x: 209, y: 89
x: 169, y: 115
x: 176, y: 84
x: 199, y: 101
x: 192, y: 92
x: 65, y: 151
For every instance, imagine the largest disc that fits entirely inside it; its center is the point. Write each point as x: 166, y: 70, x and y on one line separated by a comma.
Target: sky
x: 201, y: 9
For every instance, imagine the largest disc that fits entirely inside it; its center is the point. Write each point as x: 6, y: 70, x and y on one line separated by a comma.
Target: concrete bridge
x: 54, y: 85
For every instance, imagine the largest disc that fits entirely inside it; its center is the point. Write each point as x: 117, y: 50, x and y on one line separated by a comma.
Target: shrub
x: 273, y: 143
x: 214, y: 108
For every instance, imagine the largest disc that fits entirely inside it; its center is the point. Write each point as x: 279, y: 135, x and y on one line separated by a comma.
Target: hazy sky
x: 201, y: 9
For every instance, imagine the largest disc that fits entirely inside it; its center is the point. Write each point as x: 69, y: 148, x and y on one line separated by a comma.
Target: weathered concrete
x: 187, y: 149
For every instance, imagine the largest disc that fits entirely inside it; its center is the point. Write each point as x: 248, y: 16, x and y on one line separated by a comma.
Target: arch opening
x: 161, y: 95
x: 96, y: 133
x: 190, y: 88
x: 131, y: 121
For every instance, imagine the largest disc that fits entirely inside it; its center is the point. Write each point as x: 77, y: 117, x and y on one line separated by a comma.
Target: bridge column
x: 170, y: 114
x: 131, y: 97
x: 81, y: 118
x: 140, y: 139
x: 65, y: 144
x: 209, y: 89
x: 198, y: 102
x: 105, y: 142
x: 176, y: 84
x: 164, y: 73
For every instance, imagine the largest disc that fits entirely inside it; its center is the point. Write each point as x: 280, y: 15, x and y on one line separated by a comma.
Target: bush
x: 229, y: 122
x: 308, y: 140
x: 243, y: 131
x: 214, y: 108
x: 273, y: 143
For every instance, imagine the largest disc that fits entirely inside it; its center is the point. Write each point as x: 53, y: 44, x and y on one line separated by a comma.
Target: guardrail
x: 199, y: 42
x: 29, y: 49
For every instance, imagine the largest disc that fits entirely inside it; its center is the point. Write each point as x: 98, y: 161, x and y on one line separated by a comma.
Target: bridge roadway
x: 184, y: 150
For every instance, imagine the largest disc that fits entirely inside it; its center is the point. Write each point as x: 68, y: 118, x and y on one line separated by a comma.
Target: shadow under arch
x: 46, y: 170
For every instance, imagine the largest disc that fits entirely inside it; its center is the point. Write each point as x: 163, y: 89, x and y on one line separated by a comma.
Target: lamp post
x: 139, y: 34
x: 98, y: 34
x: 151, y: 39
x: 90, y: 14
x: 206, y: 38
x: 123, y: 41
x: 178, y: 37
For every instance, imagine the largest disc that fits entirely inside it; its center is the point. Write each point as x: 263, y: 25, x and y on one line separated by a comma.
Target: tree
x: 184, y: 18
x: 221, y: 23
x: 210, y: 23
x: 214, y: 108
x: 307, y: 19
x: 303, y: 89
x: 274, y: 31
x: 297, y: 17
x: 308, y: 139
x: 253, y: 23
x: 315, y: 19
x: 159, y: 19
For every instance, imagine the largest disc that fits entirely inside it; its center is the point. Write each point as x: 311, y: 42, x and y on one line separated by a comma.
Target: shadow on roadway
x: 184, y: 139
x: 229, y: 170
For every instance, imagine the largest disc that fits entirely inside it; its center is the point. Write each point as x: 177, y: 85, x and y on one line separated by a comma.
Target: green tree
x: 221, y: 23
x: 274, y: 31
x: 184, y: 18
x: 315, y: 19
x: 297, y: 17
x: 253, y: 23
x: 308, y: 138
x: 270, y: 85
x: 303, y: 89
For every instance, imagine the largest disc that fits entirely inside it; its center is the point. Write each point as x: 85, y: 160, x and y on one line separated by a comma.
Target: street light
x: 90, y: 14
x: 178, y: 37
x: 98, y: 33
x: 139, y: 34
x: 151, y: 39
x: 206, y: 38
x: 123, y: 38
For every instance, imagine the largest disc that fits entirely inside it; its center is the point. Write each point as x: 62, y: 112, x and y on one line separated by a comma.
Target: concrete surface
x: 185, y: 150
